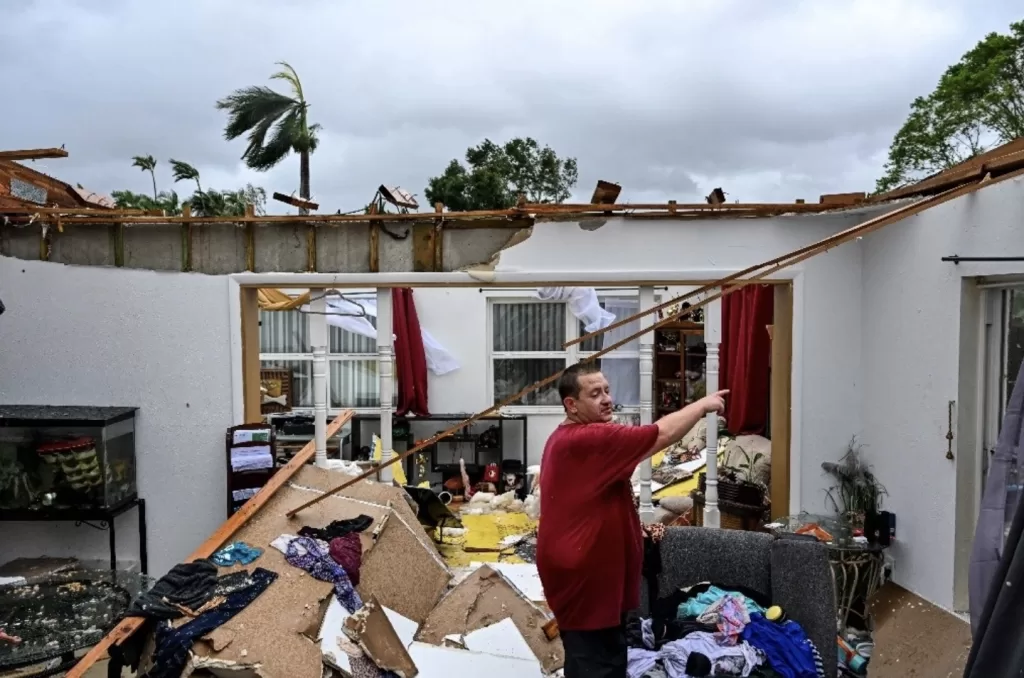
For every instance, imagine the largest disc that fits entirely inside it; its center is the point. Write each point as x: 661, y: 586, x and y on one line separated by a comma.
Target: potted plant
x: 856, y: 492
x: 739, y: 484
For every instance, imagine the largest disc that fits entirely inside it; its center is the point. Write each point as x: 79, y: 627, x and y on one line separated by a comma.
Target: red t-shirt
x: 589, y: 544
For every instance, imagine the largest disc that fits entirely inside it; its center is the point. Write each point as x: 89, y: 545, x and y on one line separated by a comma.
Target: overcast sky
x: 670, y: 98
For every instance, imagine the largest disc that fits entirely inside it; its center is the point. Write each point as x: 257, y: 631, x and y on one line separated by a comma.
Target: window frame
x: 570, y: 355
x: 331, y: 358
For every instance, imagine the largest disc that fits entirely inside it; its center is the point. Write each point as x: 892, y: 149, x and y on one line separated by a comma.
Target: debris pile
x: 392, y: 610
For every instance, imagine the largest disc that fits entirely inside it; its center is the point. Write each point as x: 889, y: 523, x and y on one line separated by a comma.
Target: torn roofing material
x: 996, y: 162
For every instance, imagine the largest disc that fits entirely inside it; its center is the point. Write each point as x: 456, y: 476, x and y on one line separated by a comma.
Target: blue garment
x: 785, y: 645
x: 696, y: 606
x: 236, y: 553
x: 173, y: 644
x: 320, y: 564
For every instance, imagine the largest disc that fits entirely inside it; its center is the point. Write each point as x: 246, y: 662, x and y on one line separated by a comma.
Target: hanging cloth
x: 996, y: 601
x: 745, y: 357
x: 583, y: 304
x: 439, y: 360
x: 410, y: 357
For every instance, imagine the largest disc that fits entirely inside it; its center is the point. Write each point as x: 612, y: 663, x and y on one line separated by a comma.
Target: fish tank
x: 66, y: 457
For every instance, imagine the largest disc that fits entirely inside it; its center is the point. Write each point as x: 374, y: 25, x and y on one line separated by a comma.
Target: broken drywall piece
x: 370, y: 627
x: 403, y: 626
x: 435, y: 661
x: 454, y: 640
x: 219, y: 638
x: 524, y: 576
x: 485, y: 598
x: 502, y: 639
x: 332, y: 637
x: 221, y: 668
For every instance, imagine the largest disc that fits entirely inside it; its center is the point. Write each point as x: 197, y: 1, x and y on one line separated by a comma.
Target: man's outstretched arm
x: 672, y: 427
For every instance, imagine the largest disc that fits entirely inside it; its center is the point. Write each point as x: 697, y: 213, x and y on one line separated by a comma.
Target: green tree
x: 147, y: 163
x: 497, y: 175
x: 166, y: 203
x: 182, y: 171
x: 214, y: 203
x: 978, y: 103
x: 257, y: 110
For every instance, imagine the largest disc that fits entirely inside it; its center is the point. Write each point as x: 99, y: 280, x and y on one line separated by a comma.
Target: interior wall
x: 457, y: 317
x: 104, y: 336
x: 827, y: 320
x: 911, y: 355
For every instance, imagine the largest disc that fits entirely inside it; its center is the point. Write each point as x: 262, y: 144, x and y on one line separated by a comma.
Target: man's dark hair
x: 569, y: 382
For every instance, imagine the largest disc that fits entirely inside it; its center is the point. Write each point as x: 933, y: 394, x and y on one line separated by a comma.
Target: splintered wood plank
x: 130, y: 625
x: 34, y: 154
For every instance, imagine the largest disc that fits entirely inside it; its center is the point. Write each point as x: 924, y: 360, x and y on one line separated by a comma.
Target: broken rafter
x: 509, y: 215
x: 700, y: 207
x: 733, y: 281
x: 301, y: 203
x: 62, y: 212
x: 724, y: 286
x: 34, y: 154
x: 130, y: 625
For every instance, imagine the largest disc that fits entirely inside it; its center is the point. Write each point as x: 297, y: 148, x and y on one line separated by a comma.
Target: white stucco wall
x: 158, y: 341
x: 910, y: 330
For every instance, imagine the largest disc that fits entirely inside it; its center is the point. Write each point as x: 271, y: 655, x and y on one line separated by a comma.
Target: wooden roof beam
x: 301, y: 203
x: 34, y: 154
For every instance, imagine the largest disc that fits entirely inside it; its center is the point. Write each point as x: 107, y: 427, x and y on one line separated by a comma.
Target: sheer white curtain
x: 622, y: 366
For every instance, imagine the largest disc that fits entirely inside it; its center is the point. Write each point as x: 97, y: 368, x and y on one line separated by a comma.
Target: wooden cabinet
x: 680, y: 364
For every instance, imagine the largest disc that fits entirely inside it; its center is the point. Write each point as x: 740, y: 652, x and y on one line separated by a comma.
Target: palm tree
x: 147, y: 163
x: 255, y: 110
x: 182, y: 171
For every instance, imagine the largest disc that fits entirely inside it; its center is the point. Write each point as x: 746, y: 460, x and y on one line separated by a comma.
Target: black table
x: 96, y: 518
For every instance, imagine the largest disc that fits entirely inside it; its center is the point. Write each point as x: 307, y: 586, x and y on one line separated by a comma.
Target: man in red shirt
x: 589, y: 544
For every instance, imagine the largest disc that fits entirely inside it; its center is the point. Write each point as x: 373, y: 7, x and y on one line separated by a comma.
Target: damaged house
x: 902, y: 339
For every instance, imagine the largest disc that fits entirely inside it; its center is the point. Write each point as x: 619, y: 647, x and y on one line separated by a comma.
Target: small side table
x: 96, y: 518
x: 856, y: 565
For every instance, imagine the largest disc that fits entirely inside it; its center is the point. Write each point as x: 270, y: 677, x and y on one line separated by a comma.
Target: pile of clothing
x: 192, y: 593
x: 709, y: 630
x: 194, y: 598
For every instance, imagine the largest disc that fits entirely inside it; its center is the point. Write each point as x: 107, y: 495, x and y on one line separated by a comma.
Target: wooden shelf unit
x: 680, y: 366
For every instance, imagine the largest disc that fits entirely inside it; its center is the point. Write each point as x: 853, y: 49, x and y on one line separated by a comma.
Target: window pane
x: 355, y: 383
x: 512, y: 376
x: 623, y: 375
x: 302, y: 377
x: 528, y: 327
x: 284, y: 332
x: 344, y: 341
x: 620, y: 308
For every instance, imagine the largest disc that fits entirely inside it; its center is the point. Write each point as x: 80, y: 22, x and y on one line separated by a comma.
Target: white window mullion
x: 286, y: 356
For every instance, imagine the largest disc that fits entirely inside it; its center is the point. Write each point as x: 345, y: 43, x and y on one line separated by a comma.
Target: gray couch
x: 795, y: 573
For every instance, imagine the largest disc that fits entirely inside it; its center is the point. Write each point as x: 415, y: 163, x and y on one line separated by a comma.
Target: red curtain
x: 410, y: 359
x: 745, y: 353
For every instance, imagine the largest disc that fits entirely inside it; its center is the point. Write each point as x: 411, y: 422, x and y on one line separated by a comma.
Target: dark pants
x: 595, y: 654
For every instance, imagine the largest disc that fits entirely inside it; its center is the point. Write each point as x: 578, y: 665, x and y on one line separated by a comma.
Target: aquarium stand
x: 97, y: 518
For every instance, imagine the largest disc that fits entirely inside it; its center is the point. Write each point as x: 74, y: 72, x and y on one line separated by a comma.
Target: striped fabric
x: 819, y: 665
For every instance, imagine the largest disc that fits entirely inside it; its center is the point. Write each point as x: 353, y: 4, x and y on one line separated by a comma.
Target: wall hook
x: 949, y: 432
